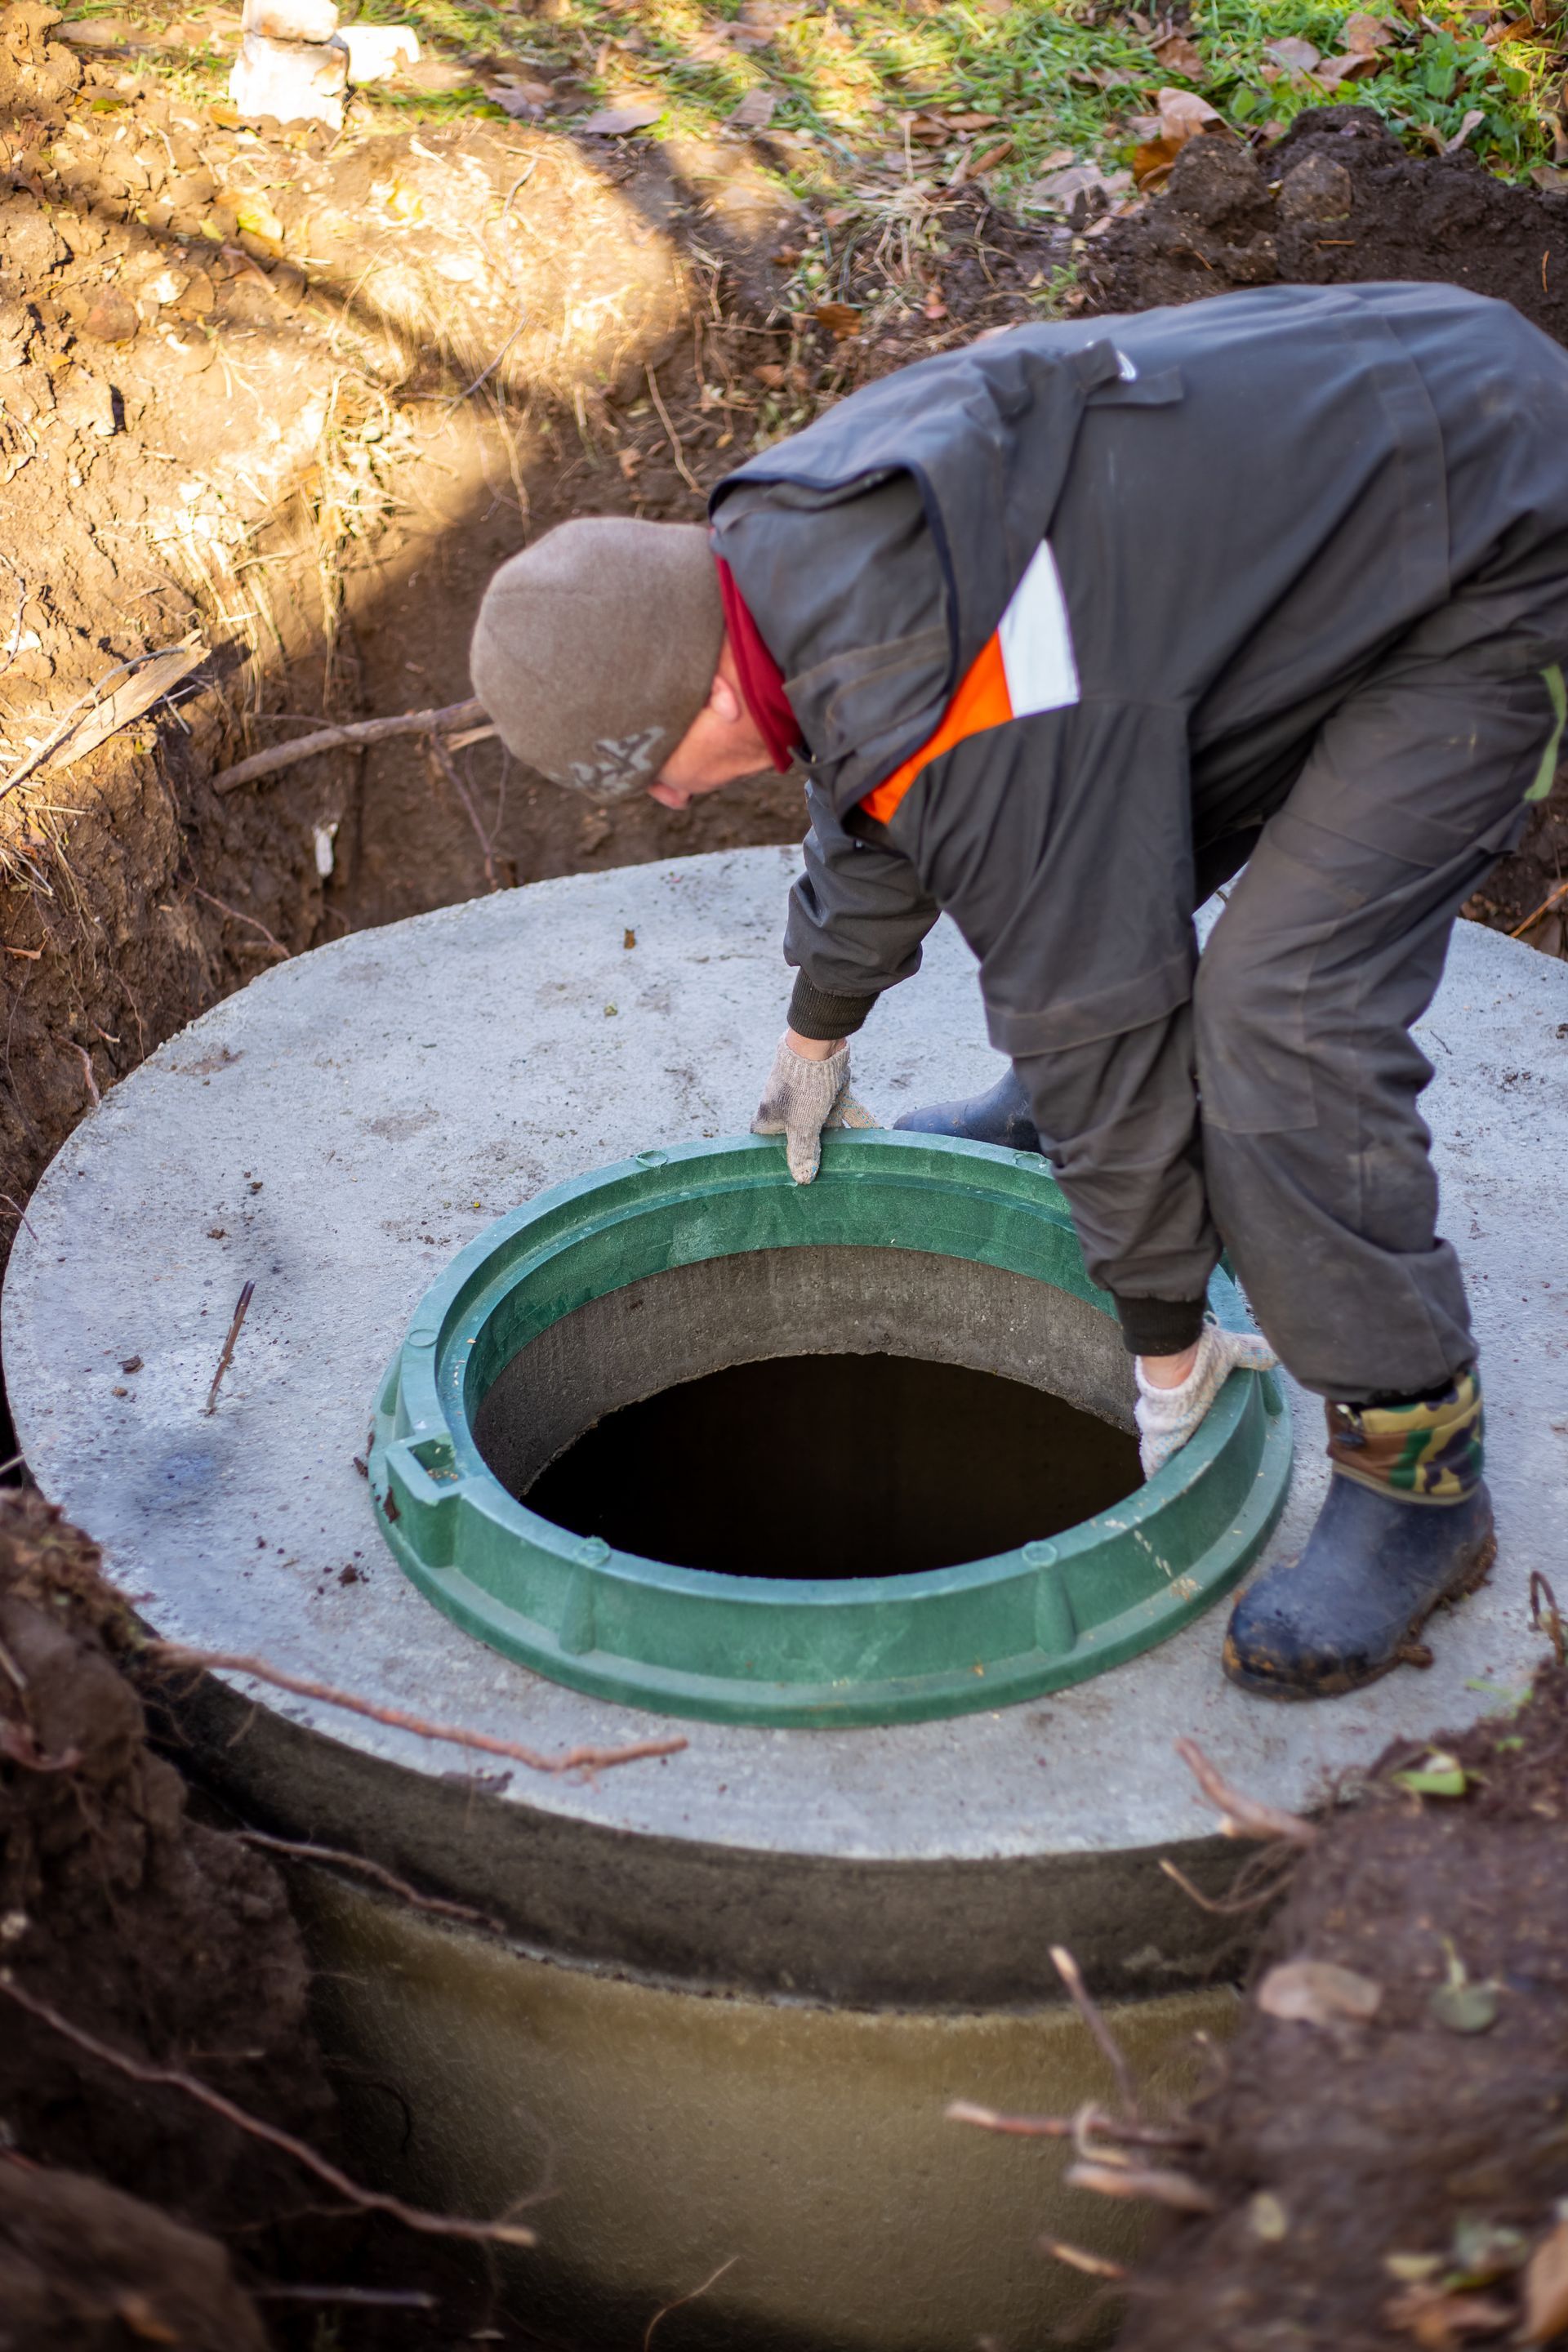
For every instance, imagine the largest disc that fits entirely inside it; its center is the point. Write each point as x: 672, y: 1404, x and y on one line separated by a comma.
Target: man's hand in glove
x: 808, y: 1090
x: 1167, y: 1417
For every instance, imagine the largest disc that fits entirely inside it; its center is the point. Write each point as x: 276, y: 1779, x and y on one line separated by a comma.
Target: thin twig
x: 448, y: 767
x: 679, y: 454
x: 457, y: 399
x: 573, y: 1760
x: 383, y: 1876
x: 246, y: 1296
x: 87, y: 1067
x: 1221, y: 1910
x: 1071, y: 2128
x: 233, y: 912
x: 1067, y: 1968
x: 356, y: 732
x: 1177, y: 2189
x: 17, y: 1211
x: 1079, y: 2259
x: 665, y: 2309
x: 369, y: 2200
x: 1242, y: 1816
x: 1545, y: 909
x: 1547, y: 1620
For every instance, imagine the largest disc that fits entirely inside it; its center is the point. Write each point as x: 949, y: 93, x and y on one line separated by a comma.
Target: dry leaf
x: 1546, y: 2288
x: 972, y: 121
x: 1440, y: 2322
x: 1176, y: 55
x: 520, y: 99
x: 769, y: 372
x: 1465, y: 2007
x: 1473, y: 120
x: 252, y: 210
x: 1366, y: 33
x: 1331, y: 71
x: 614, y: 121
x: 151, y: 683
x: 755, y: 111
x: 1182, y: 114
x: 1295, y: 56
x: 841, y: 320
x: 1317, y: 1993
x: 933, y: 307
x: 136, y: 2313
x: 1152, y: 162
x: 1061, y: 190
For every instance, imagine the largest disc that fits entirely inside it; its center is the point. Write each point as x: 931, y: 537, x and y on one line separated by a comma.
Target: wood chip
x: 1317, y: 1992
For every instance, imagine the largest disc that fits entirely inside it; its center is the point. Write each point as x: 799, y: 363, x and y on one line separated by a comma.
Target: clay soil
x: 130, y: 2213
x: 1392, y: 2180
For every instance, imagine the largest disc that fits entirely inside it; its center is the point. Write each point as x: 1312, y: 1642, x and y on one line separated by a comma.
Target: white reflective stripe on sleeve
x: 1037, y: 641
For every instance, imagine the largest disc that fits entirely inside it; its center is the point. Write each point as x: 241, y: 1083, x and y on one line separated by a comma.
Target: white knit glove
x: 1166, y: 1418
x: 800, y: 1099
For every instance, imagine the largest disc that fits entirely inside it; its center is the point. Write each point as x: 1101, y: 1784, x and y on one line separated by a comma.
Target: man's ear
x: 724, y: 701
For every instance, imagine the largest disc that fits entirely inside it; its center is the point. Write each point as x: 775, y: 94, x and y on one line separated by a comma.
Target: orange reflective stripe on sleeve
x: 982, y: 700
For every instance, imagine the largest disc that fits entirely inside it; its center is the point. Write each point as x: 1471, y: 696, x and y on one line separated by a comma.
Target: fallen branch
x: 1242, y: 1816
x: 1067, y: 1968
x: 176, y: 1655
x: 471, y: 716
x: 382, y: 1877
x: 369, y: 2200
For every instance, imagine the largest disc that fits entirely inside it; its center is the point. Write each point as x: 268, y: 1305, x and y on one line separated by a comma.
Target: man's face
x: 722, y: 744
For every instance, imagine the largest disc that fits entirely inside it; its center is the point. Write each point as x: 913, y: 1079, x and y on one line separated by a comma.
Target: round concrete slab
x: 340, y: 1129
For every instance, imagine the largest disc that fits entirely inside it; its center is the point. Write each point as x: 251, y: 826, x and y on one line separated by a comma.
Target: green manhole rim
x: 879, y: 1649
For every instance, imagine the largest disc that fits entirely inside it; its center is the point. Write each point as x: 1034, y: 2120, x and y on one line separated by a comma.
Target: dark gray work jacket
x: 1247, y: 500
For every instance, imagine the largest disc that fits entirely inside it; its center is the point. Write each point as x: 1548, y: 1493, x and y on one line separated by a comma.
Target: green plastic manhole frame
x: 876, y: 1649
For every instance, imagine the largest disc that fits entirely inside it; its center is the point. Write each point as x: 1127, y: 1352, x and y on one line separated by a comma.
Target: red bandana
x: 761, y: 680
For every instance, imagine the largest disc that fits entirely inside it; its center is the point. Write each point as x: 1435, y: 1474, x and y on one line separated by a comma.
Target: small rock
x: 1317, y: 190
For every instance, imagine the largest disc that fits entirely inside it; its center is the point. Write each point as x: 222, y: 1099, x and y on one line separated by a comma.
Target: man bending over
x: 1070, y: 628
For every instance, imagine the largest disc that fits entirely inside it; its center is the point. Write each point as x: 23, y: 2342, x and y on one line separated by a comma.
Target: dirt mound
x: 1337, y: 201
x: 165, y: 1938
x: 84, y: 2269
x: 1385, y: 2149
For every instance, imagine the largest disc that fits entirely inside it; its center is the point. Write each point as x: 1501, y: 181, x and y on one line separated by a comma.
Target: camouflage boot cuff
x: 1427, y: 1451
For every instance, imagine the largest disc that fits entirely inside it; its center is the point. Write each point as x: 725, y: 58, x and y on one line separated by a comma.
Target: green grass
x: 845, y: 79
x: 1069, y: 76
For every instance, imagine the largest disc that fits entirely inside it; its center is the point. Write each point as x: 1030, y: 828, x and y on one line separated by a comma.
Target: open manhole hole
x: 688, y: 1434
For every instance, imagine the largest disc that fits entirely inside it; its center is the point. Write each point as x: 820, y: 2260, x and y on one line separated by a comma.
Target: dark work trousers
x: 1315, y: 1157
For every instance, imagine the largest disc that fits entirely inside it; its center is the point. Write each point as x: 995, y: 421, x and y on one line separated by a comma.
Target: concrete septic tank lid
x: 337, y: 1131
x: 740, y: 1648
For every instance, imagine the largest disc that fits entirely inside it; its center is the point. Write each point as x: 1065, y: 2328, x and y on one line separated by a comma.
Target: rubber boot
x: 1352, y: 1606
x: 1002, y: 1117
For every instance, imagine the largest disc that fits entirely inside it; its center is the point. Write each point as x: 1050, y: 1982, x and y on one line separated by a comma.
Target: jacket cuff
x: 1160, y: 1327
x: 814, y: 1014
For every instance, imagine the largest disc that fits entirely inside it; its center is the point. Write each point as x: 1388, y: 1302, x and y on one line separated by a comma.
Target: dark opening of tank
x: 818, y: 1465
